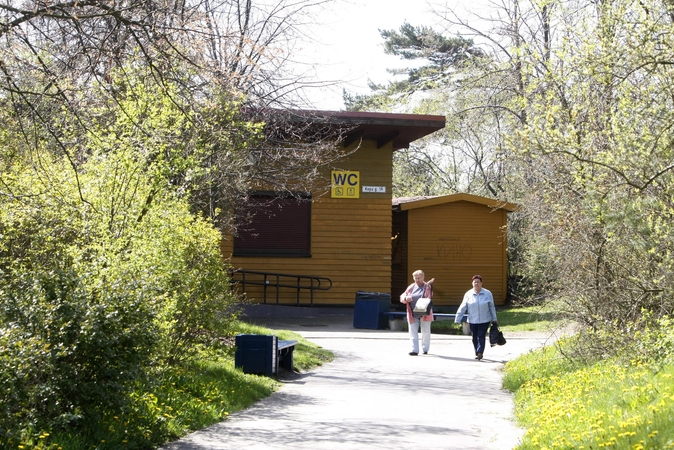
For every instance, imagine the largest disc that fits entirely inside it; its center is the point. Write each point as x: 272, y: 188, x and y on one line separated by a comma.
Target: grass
x: 620, y: 402
x: 513, y: 319
x: 604, y: 405
x: 174, y: 402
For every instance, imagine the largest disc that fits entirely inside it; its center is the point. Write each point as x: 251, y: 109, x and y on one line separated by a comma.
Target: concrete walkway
x: 375, y: 396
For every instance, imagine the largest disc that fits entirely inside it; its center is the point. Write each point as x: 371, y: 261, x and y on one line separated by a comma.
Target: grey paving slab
x: 375, y: 396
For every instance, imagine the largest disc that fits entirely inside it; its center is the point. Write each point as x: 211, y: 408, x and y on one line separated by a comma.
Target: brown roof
x: 406, y: 203
x: 400, y: 129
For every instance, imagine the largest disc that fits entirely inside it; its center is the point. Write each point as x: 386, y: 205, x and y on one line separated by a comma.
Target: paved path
x: 375, y: 396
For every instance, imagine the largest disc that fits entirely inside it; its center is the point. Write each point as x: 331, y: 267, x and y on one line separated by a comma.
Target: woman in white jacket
x: 415, y: 291
x: 478, y: 305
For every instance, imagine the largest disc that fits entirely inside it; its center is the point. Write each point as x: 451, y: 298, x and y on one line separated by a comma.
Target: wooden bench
x: 263, y: 354
x: 394, y: 316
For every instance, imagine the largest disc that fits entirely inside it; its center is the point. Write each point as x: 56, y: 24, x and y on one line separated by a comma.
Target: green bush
x: 79, y: 335
x: 106, y: 274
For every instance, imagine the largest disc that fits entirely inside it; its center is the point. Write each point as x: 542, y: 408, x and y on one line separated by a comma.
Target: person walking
x: 478, y: 305
x: 418, y: 289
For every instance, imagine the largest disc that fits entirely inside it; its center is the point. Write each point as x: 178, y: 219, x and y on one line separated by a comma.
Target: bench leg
x: 397, y: 324
x: 286, y: 358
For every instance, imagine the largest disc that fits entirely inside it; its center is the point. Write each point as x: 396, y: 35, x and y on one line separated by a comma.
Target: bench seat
x: 403, y: 314
x: 396, y: 316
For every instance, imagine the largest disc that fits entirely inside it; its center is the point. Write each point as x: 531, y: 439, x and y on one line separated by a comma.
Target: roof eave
x: 439, y: 200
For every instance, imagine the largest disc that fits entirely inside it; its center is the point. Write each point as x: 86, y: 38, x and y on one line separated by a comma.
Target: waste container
x: 368, y: 309
x: 256, y: 354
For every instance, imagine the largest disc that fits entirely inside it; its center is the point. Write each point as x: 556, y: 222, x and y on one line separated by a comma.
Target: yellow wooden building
x: 334, y: 242
x: 451, y: 238
x: 324, y: 248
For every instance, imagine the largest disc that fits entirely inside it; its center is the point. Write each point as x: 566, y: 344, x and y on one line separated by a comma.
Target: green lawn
x: 608, y: 404
x: 619, y: 400
x: 531, y: 318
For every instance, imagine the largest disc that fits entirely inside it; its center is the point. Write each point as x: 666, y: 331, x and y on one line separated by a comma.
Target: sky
x: 344, y: 45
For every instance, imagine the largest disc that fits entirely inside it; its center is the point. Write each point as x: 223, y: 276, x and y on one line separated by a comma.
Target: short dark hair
x: 476, y: 277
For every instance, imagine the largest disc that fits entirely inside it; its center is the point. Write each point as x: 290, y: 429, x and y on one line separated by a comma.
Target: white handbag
x: 422, y: 305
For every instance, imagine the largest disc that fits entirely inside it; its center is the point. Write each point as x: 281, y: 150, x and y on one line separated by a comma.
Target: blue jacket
x: 478, y: 307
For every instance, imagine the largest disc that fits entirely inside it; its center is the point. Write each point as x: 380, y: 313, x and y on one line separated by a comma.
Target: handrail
x: 315, y: 283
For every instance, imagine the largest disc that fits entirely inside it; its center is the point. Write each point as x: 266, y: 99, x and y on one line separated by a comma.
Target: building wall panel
x: 350, y: 239
x: 454, y: 241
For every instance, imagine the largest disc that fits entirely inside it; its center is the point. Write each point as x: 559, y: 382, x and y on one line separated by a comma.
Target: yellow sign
x: 345, y: 184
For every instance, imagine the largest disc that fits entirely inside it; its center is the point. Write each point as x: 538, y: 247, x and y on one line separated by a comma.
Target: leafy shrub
x: 105, y: 273
x: 647, y: 339
x: 77, y: 336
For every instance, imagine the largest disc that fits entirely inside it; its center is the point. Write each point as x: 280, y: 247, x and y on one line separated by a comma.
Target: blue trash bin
x: 256, y: 354
x: 368, y: 309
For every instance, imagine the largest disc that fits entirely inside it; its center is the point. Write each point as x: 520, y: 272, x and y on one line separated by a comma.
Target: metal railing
x: 281, y: 280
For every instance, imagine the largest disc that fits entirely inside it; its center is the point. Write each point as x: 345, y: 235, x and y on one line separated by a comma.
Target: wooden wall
x: 454, y: 241
x: 350, y: 238
x: 401, y: 275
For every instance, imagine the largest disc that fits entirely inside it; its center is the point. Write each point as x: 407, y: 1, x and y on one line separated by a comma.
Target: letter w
x: 339, y: 179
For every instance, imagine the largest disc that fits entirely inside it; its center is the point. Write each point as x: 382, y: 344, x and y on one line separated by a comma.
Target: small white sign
x: 375, y: 189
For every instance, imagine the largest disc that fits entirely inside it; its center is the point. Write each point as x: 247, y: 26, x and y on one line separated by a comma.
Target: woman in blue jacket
x: 478, y: 305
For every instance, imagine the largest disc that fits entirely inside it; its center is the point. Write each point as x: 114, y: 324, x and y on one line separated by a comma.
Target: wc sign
x: 345, y: 184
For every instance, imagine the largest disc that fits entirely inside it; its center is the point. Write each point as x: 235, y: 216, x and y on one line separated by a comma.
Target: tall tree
x: 125, y: 137
x: 589, y: 157
x: 455, y: 77
x: 437, y: 59
x: 602, y: 115
x: 220, y: 54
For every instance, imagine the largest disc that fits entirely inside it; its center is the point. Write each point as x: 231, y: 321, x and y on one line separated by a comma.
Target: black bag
x: 496, y: 336
x: 493, y: 335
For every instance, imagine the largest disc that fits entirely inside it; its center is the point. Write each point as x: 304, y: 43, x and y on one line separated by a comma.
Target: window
x: 274, y: 226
